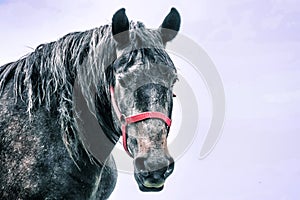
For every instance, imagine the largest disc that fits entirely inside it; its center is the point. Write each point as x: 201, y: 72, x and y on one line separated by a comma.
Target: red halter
x: 134, y: 118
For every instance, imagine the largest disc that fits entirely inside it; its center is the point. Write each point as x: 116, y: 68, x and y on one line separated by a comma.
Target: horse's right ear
x: 120, y: 27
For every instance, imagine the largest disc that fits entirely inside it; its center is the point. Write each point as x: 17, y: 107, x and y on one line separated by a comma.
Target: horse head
x: 142, y: 96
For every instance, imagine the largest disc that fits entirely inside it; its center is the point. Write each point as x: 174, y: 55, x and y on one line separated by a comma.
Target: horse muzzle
x: 151, y: 174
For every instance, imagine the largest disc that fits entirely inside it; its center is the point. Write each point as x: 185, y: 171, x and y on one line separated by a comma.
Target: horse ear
x: 170, y: 26
x: 120, y: 27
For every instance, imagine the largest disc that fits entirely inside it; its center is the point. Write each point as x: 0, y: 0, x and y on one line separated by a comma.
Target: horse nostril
x: 140, y: 163
x: 170, y: 169
x: 157, y: 170
x: 140, y: 166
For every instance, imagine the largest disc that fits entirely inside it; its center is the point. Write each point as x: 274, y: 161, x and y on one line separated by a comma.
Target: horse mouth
x: 147, y: 184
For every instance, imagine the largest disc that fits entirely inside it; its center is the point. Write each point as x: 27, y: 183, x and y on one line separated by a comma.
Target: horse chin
x: 147, y: 185
x: 150, y: 189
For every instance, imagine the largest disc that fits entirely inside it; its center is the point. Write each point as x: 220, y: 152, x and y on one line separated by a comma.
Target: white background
x: 255, y: 47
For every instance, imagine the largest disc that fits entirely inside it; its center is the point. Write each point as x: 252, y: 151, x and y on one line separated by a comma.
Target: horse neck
x: 97, y: 132
x: 101, y: 134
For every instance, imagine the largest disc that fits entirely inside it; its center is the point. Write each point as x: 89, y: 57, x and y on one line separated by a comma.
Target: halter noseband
x: 134, y: 118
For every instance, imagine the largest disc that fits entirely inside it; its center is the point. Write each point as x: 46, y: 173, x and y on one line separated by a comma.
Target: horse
x: 43, y: 156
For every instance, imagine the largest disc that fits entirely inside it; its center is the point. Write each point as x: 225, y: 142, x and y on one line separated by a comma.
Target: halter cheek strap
x: 134, y: 118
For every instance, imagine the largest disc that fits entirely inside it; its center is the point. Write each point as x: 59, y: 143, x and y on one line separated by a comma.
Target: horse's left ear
x: 170, y: 26
x: 120, y: 27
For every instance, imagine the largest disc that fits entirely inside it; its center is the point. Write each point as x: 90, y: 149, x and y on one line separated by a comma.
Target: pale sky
x: 255, y: 46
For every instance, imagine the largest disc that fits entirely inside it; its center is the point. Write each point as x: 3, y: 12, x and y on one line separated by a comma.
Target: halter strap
x: 134, y: 118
